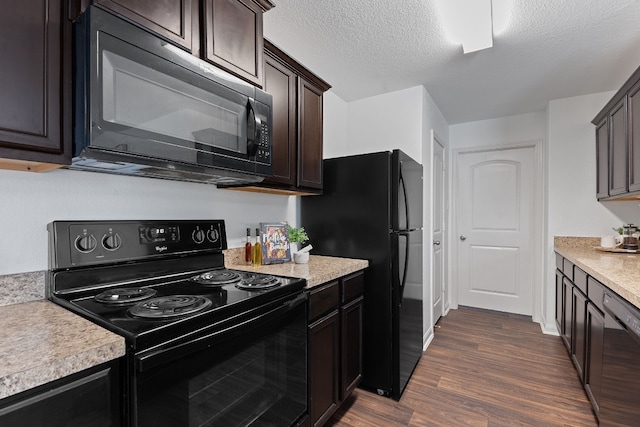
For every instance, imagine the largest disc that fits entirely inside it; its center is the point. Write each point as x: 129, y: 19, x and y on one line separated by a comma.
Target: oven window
x: 257, y: 379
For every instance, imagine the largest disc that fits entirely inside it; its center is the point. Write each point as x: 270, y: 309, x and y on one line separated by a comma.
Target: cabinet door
x: 175, y: 20
x: 567, y: 312
x: 579, y: 334
x: 634, y: 138
x: 559, y: 303
x: 602, y: 160
x: 351, y: 316
x: 280, y: 81
x: 595, y: 349
x: 310, y: 135
x: 324, y: 368
x: 87, y: 401
x: 233, y: 37
x: 35, y: 83
x: 618, y: 173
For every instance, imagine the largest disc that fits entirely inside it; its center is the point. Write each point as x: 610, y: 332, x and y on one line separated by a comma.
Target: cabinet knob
x: 463, y: 237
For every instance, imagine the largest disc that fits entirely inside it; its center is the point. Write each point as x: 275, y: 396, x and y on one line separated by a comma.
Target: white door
x: 494, y: 211
x: 437, y: 272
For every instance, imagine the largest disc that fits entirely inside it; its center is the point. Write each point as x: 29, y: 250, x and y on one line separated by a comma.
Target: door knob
x: 463, y: 237
x: 436, y: 242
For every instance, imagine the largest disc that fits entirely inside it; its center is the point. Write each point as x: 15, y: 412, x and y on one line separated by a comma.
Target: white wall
x: 572, y: 206
x: 388, y: 121
x: 29, y: 201
x: 334, y: 130
x: 501, y: 131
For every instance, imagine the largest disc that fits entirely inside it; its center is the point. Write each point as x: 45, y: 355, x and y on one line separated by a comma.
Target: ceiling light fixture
x: 468, y: 22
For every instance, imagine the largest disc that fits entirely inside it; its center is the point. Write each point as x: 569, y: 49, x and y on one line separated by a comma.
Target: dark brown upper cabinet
x: 35, y: 83
x: 310, y: 134
x: 618, y: 140
x: 602, y: 159
x: 175, y: 20
x: 227, y: 33
x: 233, y: 36
x: 618, y: 168
x: 297, y: 141
x: 633, y: 129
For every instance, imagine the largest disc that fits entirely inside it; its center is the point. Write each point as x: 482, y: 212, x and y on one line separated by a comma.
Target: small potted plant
x: 297, y: 236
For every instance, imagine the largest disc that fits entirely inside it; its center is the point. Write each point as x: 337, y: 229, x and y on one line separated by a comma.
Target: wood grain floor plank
x: 484, y: 369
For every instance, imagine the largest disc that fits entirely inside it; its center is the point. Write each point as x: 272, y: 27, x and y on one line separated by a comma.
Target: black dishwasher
x: 620, y: 399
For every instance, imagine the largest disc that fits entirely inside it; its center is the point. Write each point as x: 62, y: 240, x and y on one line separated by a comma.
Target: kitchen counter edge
x: 42, y: 342
x: 320, y: 269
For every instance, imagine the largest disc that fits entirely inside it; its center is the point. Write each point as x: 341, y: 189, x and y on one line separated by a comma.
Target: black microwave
x: 145, y: 107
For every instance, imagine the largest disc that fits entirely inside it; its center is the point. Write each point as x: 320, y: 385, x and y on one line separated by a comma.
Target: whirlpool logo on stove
x: 161, y: 249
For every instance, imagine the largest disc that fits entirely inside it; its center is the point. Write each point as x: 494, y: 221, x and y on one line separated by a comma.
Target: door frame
x: 537, y: 218
x: 446, y: 304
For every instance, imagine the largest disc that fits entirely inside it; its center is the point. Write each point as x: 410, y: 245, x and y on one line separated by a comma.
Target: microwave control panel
x: 263, y: 155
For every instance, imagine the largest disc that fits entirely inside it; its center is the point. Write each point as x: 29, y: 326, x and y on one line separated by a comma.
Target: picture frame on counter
x: 276, y: 248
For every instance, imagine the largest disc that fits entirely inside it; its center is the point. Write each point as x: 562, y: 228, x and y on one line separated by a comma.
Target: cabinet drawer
x: 567, y: 268
x: 323, y: 299
x: 595, y: 292
x: 559, y: 260
x: 580, y: 279
x: 352, y: 286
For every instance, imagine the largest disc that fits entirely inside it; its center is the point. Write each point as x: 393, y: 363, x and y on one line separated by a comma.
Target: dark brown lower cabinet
x: 559, y: 303
x: 579, y: 334
x: 335, y: 344
x: 324, y: 369
x: 580, y: 321
x: 351, y: 315
x: 567, y: 287
x: 89, y: 398
x: 595, y: 348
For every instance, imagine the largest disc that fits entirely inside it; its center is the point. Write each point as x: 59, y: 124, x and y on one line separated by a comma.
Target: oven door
x: 253, y: 373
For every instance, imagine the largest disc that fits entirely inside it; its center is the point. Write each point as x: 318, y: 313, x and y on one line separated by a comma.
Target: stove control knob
x: 111, y: 242
x: 198, y: 236
x: 86, y: 243
x: 213, y: 235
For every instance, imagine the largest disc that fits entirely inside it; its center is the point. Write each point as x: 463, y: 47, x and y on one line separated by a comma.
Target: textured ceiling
x: 551, y: 49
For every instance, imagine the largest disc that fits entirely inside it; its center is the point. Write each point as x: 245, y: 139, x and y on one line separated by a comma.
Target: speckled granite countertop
x: 42, y: 342
x: 620, y: 272
x: 319, y: 270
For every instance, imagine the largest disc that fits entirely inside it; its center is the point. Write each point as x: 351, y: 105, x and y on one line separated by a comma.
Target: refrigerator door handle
x: 403, y: 280
x: 403, y: 185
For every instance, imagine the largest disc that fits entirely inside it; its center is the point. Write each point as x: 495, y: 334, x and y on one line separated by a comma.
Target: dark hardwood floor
x: 483, y: 368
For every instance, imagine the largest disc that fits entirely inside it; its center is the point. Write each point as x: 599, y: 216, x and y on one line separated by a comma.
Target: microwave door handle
x: 254, y: 128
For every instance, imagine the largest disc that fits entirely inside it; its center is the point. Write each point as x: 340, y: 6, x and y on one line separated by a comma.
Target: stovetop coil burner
x: 125, y: 295
x: 258, y: 282
x: 170, y: 306
x: 217, y: 278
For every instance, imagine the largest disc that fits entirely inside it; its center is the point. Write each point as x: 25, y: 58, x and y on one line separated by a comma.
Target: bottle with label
x: 257, y: 249
x: 248, y: 250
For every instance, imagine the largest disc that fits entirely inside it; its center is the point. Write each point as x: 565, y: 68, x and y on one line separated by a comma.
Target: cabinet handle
x: 463, y: 237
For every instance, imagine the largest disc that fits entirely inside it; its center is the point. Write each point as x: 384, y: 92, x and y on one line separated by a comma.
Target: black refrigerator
x: 371, y: 208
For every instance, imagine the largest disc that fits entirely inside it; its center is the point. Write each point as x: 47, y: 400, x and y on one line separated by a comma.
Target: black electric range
x: 153, y: 281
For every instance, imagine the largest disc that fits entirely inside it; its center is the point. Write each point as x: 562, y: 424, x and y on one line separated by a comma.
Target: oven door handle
x: 164, y: 355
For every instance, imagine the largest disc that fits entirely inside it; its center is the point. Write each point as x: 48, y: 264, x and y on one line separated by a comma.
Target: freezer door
x: 406, y: 192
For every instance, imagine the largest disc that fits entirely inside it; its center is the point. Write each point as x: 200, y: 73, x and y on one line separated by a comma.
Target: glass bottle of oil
x: 257, y: 249
x: 248, y: 249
